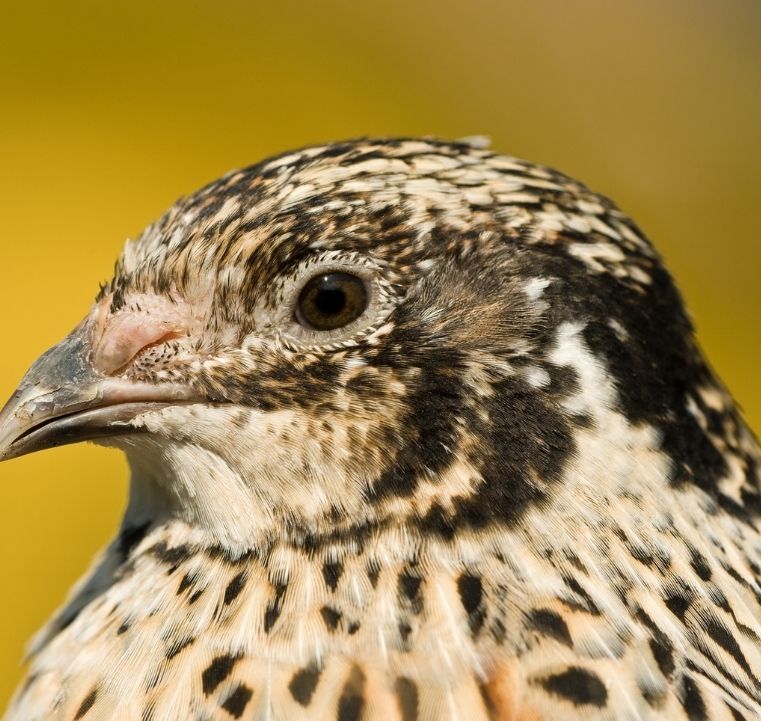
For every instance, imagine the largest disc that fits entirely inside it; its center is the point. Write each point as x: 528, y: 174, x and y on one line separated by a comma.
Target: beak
x: 64, y: 399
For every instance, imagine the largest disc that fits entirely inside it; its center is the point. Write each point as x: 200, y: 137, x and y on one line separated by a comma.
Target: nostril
x: 131, y: 337
x: 169, y: 336
x: 129, y: 333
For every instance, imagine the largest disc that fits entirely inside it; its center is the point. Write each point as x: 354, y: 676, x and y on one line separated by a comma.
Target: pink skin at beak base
x: 71, y: 393
x: 121, y: 336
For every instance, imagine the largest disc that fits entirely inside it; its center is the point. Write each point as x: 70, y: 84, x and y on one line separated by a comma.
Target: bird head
x: 376, y: 332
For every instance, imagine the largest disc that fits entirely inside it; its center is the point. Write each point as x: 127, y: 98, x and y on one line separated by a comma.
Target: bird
x: 416, y: 431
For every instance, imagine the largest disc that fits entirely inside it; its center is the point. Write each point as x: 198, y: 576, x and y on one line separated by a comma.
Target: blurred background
x: 110, y: 111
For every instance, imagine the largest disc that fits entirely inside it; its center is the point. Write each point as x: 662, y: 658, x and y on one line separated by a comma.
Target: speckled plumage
x: 513, y: 490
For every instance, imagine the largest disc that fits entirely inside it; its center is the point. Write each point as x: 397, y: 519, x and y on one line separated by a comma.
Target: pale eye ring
x: 331, y: 300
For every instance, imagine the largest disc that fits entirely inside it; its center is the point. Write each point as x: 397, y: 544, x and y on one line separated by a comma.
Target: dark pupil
x: 330, y: 299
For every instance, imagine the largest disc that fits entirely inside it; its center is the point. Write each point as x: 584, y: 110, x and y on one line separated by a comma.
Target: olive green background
x: 110, y: 110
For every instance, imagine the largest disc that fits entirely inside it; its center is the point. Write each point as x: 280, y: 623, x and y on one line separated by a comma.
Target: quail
x: 416, y: 432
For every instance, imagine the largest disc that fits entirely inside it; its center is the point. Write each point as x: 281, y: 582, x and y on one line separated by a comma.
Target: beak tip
x: 63, y: 400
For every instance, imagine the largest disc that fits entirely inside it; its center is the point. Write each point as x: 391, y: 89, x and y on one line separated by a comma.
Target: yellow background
x: 110, y: 110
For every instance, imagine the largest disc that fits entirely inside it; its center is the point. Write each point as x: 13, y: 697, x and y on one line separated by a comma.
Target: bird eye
x: 331, y: 301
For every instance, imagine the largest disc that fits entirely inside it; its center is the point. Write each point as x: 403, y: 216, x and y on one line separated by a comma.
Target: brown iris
x: 331, y: 301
